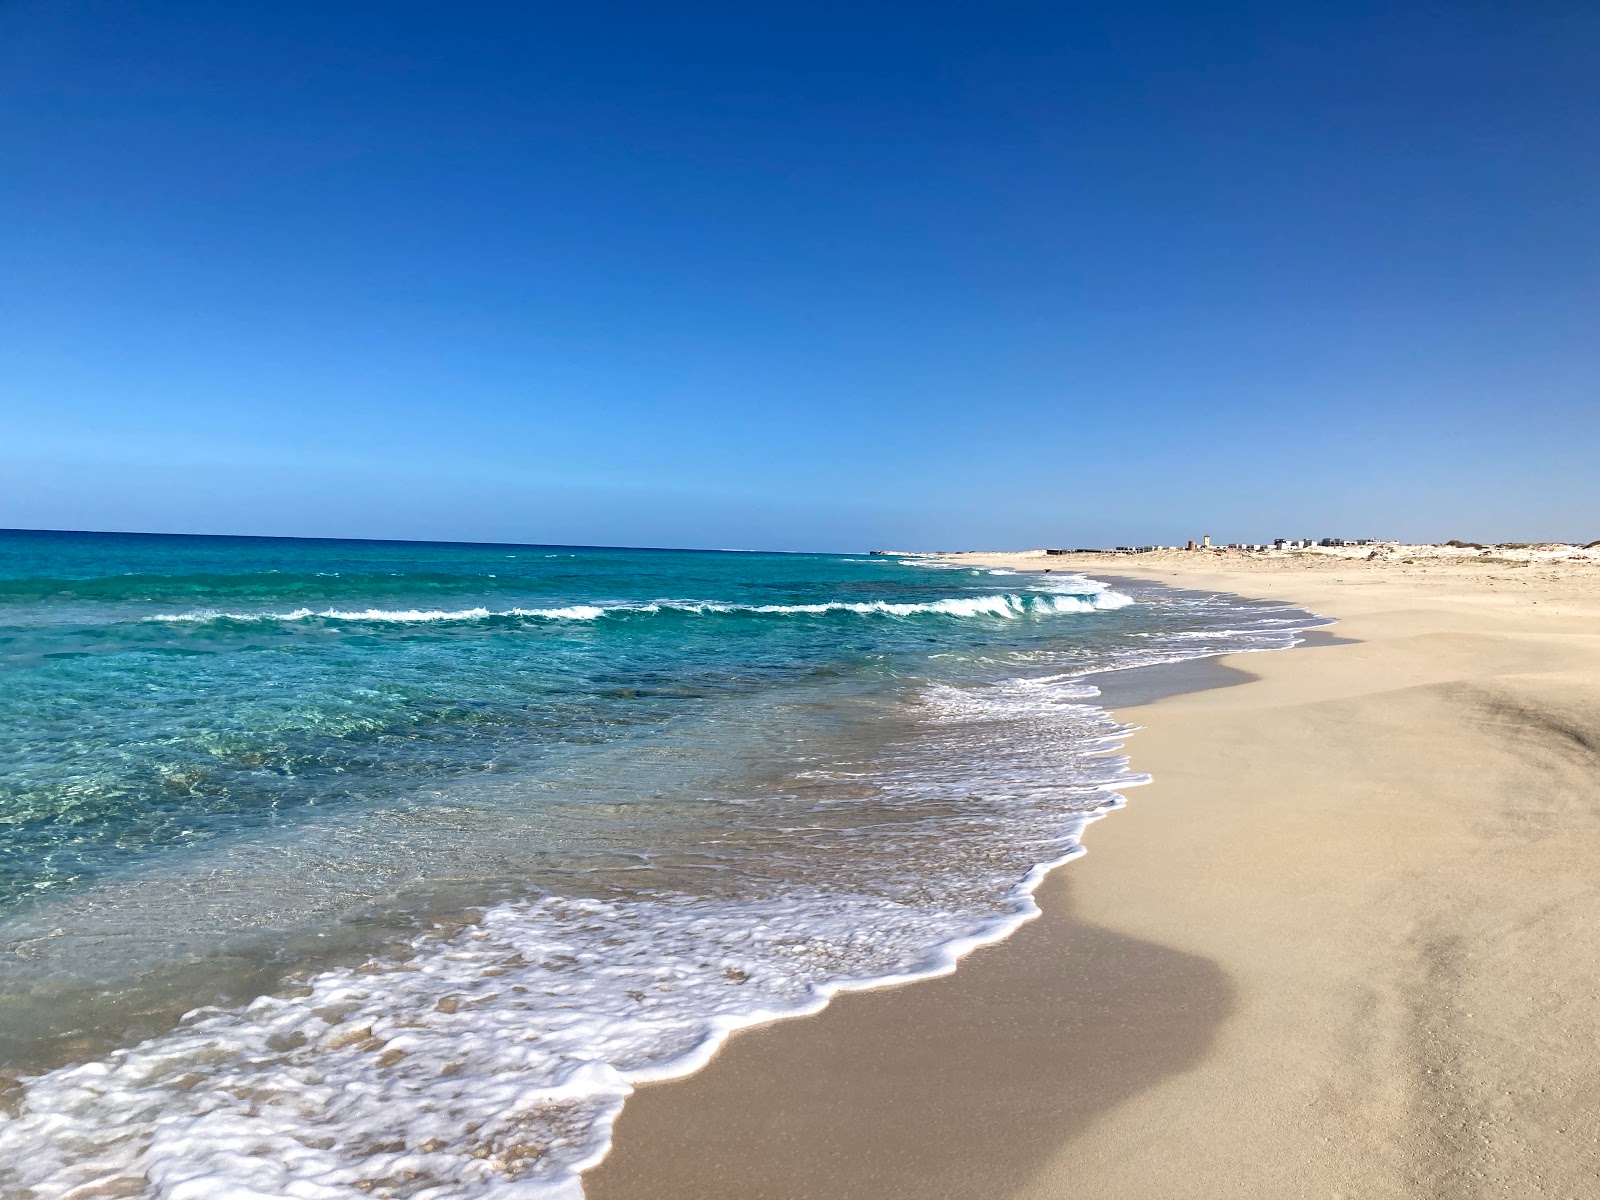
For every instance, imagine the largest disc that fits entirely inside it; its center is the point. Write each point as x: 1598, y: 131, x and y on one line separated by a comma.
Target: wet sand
x: 1343, y: 946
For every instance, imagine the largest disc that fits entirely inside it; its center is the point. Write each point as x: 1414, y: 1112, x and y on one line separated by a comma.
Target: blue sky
x: 810, y: 276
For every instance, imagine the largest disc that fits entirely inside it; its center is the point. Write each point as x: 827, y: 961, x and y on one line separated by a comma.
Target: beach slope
x: 1342, y: 946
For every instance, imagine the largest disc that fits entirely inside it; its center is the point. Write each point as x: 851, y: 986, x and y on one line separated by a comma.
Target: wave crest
x: 1005, y: 605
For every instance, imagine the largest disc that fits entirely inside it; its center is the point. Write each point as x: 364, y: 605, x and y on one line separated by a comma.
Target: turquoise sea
x: 341, y: 869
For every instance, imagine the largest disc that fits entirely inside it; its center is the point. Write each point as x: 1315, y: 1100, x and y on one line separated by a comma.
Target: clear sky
x: 795, y: 276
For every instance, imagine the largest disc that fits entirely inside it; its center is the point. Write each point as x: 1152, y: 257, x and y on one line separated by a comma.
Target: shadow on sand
x: 958, y: 1088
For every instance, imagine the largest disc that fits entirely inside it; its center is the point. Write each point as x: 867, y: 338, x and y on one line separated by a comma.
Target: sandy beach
x: 1343, y: 946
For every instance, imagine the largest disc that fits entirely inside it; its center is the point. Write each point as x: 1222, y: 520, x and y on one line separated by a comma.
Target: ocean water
x: 341, y: 869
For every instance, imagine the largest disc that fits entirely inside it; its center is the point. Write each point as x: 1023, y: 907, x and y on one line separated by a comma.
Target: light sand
x: 1347, y: 944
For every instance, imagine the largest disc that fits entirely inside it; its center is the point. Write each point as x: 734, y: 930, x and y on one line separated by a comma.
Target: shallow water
x: 339, y: 869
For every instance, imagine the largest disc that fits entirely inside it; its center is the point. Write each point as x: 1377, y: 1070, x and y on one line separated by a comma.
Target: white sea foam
x: 491, y: 1061
x: 572, y: 612
x: 997, y: 605
x: 402, y: 616
x: 492, y: 1065
x: 1073, y: 597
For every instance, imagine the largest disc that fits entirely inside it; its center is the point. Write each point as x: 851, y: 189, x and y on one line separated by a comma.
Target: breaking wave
x: 490, y: 1061
x: 1004, y: 605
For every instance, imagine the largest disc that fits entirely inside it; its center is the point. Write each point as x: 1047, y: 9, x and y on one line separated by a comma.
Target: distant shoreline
x: 1221, y: 557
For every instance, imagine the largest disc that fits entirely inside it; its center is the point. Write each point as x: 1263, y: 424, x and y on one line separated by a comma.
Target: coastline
x: 393, y: 1071
x: 1337, y: 947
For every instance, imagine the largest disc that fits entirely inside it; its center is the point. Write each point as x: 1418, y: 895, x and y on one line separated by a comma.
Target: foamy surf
x: 679, y: 793
x: 1005, y: 605
x: 404, y: 616
x: 492, y: 1060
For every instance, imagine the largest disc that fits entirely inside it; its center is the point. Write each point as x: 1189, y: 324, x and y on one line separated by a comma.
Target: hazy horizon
x: 1219, y: 540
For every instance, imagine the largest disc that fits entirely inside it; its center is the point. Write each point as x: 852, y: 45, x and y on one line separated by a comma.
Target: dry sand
x: 1347, y: 944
